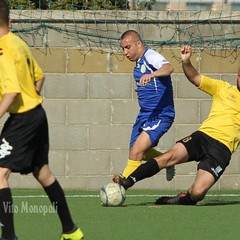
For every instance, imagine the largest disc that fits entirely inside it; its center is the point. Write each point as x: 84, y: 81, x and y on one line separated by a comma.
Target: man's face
x: 131, y: 47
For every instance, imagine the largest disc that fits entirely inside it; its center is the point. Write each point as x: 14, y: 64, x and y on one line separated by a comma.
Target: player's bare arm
x: 6, y: 102
x: 191, y: 73
x: 165, y: 70
x: 39, y: 84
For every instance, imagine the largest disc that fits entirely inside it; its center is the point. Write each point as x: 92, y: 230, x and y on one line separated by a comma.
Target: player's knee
x: 166, y: 160
x: 136, y: 155
x: 198, y: 193
x: 4, y: 175
x: 44, y: 176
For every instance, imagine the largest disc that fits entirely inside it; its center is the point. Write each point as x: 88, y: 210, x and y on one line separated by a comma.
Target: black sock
x: 145, y: 170
x: 187, y: 200
x: 57, y: 198
x: 6, y: 214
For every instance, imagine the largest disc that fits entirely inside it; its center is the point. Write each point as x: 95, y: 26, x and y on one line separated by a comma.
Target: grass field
x: 215, y: 218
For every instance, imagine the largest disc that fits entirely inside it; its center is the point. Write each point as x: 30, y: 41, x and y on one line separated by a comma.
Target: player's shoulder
x: 211, y: 81
x: 151, y: 54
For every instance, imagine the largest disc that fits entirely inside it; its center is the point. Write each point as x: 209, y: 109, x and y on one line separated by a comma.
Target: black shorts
x: 212, y: 155
x: 24, y: 141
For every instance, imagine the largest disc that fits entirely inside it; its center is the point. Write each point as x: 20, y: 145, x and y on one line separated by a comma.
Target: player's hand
x: 145, y: 79
x: 186, y: 53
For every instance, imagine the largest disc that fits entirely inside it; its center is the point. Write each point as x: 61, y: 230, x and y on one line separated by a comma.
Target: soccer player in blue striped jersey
x: 152, y: 75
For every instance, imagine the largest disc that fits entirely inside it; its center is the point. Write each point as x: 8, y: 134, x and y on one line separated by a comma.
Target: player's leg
x: 156, y: 129
x: 176, y: 155
x: 202, y: 183
x: 136, y: 153
x: 6, y: 206
x: 57, y: 198
x: 213, y: 159
x: 145, y: 135
x: 152, y: 153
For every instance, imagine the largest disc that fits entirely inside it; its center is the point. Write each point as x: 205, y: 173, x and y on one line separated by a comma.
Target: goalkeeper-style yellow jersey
x: 223, y: 122
x: 18, y: 73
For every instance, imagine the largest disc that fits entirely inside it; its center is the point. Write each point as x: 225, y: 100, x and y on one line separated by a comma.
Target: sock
x: 131, y: 167
x: 57, y: 198
x: 146, y: 170
x: 152, y: 153
x: 6, y: 214
x: 187, y: 200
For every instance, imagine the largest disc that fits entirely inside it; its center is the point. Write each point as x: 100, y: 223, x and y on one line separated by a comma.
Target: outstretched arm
x: 190, y: 72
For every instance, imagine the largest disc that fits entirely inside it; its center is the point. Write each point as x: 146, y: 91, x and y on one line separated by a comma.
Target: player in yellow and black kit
x: 24, y: 141
x: 212, y: 145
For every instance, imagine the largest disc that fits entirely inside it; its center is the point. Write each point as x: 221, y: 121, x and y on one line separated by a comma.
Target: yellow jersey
x: 18, y: 73
x: 223, y: 122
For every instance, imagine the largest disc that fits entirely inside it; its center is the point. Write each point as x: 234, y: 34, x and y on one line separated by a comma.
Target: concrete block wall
x: 91, y: 105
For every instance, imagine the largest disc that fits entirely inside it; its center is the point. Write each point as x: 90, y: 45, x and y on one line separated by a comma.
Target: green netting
x: 97, y: 25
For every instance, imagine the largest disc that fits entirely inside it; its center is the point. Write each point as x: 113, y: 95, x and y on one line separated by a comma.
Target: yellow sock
x: 152, y: 153
x: 131, y: 167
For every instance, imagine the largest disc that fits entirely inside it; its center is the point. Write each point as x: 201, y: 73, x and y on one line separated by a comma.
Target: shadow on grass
x: 206, y: 204
x: 219, y: 203
x: 139, y: 204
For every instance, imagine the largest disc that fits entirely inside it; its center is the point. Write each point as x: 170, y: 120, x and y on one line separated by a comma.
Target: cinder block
x: 57, y: 162
x: 66, y: 86
x: 187, y: 111
x: 118, y: 161
x: 80, y: 61
x: 111, y: 86
x: 167, y: 140
x: 71, y: 137
x: 89, y: 111
x: 183, y: 182
x: 76, y: 182
x: 186, y: 90
x: 56, y: 111
x: 215, y: 61
x: 109, y: 137
x: 120, y: 64
x: 51, y: 60
x: 189, y: 168
x: 96, y: 182
x: 230, y: 182
x: 85, y: 163
x: 124, y: 111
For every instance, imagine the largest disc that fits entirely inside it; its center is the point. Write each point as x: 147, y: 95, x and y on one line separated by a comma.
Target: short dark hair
x: 131, y: 32
x: 4, y: 12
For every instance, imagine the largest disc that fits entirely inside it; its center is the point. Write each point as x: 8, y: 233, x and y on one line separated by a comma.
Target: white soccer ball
x: 112, y: 194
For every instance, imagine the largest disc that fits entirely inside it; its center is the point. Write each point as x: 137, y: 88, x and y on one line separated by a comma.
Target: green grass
x: 215, y: 218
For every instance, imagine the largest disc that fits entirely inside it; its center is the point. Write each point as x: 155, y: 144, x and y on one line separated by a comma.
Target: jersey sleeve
x: 38, y: 73
x: 155, y: 59
x: 210, y: 85
x: 9, y: 77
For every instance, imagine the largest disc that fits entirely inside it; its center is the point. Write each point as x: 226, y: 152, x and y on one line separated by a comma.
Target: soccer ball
x: 112, y: 194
